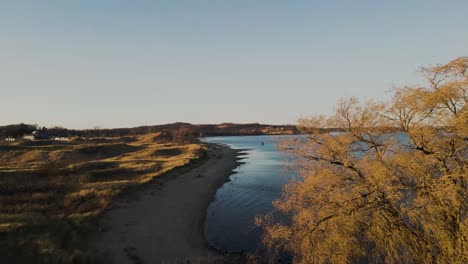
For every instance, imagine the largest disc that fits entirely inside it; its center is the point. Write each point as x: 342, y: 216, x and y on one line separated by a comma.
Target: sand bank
x: 163, y: 223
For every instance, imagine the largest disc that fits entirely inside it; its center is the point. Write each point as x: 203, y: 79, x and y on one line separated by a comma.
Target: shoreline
x: 164, y: 221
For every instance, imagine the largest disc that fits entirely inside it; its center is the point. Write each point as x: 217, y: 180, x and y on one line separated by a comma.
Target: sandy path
x: 164, y: 222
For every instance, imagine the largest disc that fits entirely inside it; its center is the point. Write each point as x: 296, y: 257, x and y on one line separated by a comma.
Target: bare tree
x: 376, y: 194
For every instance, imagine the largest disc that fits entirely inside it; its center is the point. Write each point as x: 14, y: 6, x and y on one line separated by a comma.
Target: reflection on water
x: 230, y: 218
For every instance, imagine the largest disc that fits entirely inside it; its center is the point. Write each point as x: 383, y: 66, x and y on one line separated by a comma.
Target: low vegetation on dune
x: 51, y: 192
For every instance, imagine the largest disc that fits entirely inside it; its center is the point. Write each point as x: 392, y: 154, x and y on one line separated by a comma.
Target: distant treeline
x: 19, y: 130
x: 174, y: 130
x: 182, y: 129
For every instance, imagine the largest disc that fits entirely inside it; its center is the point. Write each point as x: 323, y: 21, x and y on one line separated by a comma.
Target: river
x: 230, y: 225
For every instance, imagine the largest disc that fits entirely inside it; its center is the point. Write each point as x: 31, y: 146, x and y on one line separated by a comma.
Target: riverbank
x: 53, y: 192
x: 164, y: 222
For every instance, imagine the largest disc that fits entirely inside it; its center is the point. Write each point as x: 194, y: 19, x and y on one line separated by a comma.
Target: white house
x: 28, y: 137
x: 61, y: 138
x: 9, y: 139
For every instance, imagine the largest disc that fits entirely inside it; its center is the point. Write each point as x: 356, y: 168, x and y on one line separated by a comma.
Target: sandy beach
x: 163, y: 223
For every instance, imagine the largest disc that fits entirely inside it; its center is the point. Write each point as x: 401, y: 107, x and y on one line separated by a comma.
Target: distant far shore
x: 175, y: 131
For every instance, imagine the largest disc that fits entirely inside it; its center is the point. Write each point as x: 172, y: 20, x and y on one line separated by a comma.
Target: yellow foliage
x: 390, y: 187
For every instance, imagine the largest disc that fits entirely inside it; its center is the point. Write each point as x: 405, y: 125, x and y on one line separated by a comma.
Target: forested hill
x: 225, y: 129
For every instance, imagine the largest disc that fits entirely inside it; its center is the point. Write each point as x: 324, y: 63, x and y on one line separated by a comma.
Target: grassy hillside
x: 50, y: 191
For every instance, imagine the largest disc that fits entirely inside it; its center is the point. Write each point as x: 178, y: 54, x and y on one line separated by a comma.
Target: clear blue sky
x: 115, y: 63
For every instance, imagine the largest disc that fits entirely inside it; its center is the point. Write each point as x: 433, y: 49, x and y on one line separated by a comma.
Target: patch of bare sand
x: 164, y: 222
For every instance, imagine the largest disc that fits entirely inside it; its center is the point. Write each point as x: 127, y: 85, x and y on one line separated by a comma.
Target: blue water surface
x: 230, y: 218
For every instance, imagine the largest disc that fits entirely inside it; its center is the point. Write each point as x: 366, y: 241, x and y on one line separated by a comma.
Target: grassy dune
x: 51, y: 191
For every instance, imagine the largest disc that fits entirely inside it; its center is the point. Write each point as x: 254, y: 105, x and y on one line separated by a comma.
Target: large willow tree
x: 391, y: 187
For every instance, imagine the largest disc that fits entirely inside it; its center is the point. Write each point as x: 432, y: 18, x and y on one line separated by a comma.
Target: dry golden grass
x: 72, y: 183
